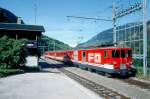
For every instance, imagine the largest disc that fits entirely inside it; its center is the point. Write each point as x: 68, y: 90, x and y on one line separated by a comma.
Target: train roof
x: 107, y: 48
x: 92, y: 49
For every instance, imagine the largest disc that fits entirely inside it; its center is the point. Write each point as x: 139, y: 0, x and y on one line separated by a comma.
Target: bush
x: 12, y: 53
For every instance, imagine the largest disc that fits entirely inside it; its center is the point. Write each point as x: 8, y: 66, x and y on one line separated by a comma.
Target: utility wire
x: 89, y: 18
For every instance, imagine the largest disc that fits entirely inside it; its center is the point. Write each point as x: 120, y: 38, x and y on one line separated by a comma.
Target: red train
x: 110, y: 60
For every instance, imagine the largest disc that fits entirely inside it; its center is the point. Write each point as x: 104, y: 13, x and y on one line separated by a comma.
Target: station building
x: 14, y: 27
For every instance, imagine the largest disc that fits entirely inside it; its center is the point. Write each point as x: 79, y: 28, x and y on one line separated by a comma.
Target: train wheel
x: 100, y: 73
x: 133, y: 75
x: 108, y: 75
x: 91, y: 70
x: 84, y: 68
x: 76, y: 65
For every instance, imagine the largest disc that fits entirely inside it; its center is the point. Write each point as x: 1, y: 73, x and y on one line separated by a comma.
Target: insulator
x: 132, y: 7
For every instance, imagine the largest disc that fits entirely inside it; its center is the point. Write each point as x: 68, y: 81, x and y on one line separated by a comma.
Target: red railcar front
x: 122, y: 61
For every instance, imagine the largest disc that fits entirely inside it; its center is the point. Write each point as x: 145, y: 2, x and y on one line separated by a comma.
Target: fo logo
x: 94, y: 57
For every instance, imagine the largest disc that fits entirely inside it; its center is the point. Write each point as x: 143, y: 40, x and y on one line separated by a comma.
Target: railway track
x: 131, y: 81
x: 99, y: 89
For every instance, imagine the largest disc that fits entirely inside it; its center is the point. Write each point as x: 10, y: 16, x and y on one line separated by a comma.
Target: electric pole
x: 145, y: 37
x: 114, y: 25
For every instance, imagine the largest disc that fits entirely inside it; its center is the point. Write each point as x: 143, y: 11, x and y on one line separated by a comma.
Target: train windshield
x: 129, y: 53
x: 115, y: 53
x: 123, y: 54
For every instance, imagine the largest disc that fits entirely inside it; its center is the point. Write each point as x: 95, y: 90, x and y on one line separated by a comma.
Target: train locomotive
x: 111, y: 60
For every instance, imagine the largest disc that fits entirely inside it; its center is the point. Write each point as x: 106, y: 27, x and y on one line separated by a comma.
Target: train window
x: 123, y: 54
x: 83, y: 54
x: 115, y: 53
x: 129, y: 53
x: 105, y: 54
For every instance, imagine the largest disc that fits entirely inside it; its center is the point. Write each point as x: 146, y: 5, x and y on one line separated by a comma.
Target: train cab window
x: 115, y: 53
x: 123, y: 54
x: 83, y: 54
x: 105, y: 54
x: 129, y: 53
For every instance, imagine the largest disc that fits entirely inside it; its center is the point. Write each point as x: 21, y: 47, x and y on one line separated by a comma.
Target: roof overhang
x: 21, y: 27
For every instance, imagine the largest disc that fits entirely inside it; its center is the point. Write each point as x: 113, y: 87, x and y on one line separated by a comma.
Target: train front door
x: 76, y: 56
x: 83, y: 57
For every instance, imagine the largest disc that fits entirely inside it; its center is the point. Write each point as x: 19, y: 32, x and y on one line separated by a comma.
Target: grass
x: 142, y: 77
x: 140, y: 74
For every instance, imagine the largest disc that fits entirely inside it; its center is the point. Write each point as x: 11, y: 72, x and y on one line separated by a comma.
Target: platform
x: 51, y: 84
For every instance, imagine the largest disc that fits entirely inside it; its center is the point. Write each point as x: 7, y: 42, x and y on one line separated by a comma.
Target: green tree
x: 12, y: 53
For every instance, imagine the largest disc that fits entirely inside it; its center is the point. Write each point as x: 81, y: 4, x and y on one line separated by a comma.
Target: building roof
x: 21, y: 27
x: 8, y: 21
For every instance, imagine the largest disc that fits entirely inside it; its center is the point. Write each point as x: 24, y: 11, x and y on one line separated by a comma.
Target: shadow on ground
x: 43, y: 67
x: 48, y: 67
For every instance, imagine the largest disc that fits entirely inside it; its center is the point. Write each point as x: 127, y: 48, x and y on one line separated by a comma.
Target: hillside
x: 47, y: 43
x: 101, y: 39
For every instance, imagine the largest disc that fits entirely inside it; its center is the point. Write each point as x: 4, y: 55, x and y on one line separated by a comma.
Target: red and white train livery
x: 110, y: 60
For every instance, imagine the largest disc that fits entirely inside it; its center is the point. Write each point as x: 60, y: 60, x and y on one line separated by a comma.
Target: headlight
x: 114, y: 62
x: 131, y: 63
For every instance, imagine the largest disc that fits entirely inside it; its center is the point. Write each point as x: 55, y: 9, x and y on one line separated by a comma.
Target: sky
x: 52, y: 15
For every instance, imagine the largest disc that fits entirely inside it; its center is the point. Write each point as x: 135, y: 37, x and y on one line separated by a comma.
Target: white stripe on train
x: 107, y: 66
